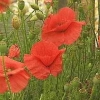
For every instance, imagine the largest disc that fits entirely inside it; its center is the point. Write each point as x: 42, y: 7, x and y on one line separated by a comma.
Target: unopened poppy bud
x: 21, y: 5
x: 25, y: 9
x: 16, y: 22
x: 75, y: 82
x: 40, y: 15
x: 83, y: 93
x: 34, y: 6
x: 66, y: 87
x: 3, y: 47
x: 96, y: 79
x: 34, y: 18
x: 31, y: 36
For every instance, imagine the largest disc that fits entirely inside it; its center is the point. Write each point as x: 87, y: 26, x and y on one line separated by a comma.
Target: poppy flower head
x: 18, y: 77
x: 4, y: 4
x: 44, y: 56
x: 62, y: 28
x: 14, y: 51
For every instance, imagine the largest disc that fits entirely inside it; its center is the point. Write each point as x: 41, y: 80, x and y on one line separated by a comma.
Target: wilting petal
x: 56, y: 67
x: 73, y: 32
x: 3, y: 85
x: 18, y: 81
x: 36, y: 67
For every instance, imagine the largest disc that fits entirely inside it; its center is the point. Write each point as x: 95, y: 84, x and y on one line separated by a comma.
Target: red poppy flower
x: 45, y: 59
x: 4, y: 4
x: 14, y: 51
x: 17, y: 76
x: 62, y: 28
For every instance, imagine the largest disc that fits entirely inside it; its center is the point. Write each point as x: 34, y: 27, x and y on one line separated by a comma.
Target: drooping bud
x: 95, y: 94
x: 16, y: 22
x: 35, y: 6
x: 31, y: 36
x: 40, y: 15
x: 66, y: 87
x: 96, y: 79
x: 83, y: 94
x: 75, y: 82
x: 3, y: 47
x: 34, y: 18
x: 21, y: 5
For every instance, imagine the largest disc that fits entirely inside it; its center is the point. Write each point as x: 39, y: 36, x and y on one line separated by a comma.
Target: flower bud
x: 35, y: 6
x: 96, y: 79
x: 75, y: 83
x: 34, y: 18
x: 21, y: 5
x: 16, y: 22
x: 31, y: 36
x: 66, y: 87
x: 3, y: 47
x: 83, y: 94
x: 40, y: 15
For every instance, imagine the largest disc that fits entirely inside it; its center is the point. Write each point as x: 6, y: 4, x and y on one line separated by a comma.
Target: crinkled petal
x: 44, y: 48
x: 3, y: 85
x: 56, y: 67
x: 73, y: 32
x: 66, y: 13
x: 56, y: 37
x: 36, y: 67
x: 18, y: 81
x: 50, y: 23
x: 10, y: 63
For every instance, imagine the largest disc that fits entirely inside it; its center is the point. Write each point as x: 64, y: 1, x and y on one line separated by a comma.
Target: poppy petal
x: 44, y: 48
x: 4, y: 4
x: 56, y: 67
x: 18, y: 81
x: 66, y: 13
x: 56, y: 37
x: 36, y: 67
x: 3, y: 85
x: 10, y: 63
x: 50, y: 23
x: 73, y: 32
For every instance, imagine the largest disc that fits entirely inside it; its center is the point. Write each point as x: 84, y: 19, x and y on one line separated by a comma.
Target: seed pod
x: 16, y: 22
x: 34, y: 18
x: 40, y: 15
x: 96, y: 79
x: 21, y: 5
x: 34, y: 6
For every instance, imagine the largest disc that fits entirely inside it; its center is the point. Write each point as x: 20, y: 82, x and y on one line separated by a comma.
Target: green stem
x: 6, y: 76
x: 64, y: 96
x: 5, y: 28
